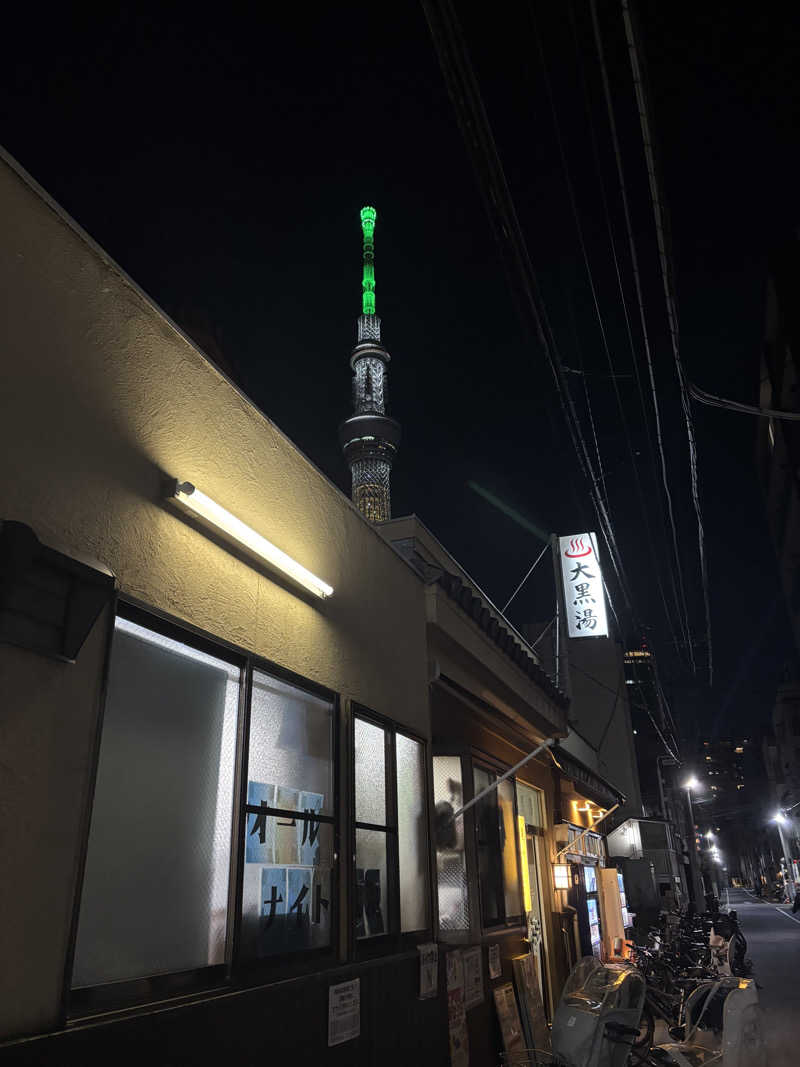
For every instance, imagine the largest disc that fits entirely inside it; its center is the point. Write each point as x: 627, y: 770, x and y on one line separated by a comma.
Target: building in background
x: 778, y: 461
x: 781, y: 752
x: 660, y: 847
x: 778, y: 440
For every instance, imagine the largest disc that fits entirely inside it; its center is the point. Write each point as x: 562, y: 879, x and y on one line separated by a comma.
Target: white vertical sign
x: 583, y: 586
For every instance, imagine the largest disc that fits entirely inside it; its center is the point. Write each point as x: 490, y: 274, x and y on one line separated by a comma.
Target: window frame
x: 296, y: 962
x: 490, y: 766
x: 135, y: 993
x: 393, y: 940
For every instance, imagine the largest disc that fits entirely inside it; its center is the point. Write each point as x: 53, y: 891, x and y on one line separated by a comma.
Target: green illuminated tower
x: 369, y: 438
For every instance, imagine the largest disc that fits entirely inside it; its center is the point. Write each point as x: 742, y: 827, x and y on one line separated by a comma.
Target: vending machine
x: 627, y: 921
x: 593, y: 910
x: 613, y: 911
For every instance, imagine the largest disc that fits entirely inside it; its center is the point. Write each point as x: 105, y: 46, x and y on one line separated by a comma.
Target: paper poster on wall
x: 508, y: 1017
x: 455, y: 970
x: 344, y: 1012
x: 472, y: 959
x: 308, y: 829
x: 286, y: 898
x: 428, y: 970
x: 456, y: 1011
x: 534, y: 1023
x: 260, y: 842
x: 495, y: 967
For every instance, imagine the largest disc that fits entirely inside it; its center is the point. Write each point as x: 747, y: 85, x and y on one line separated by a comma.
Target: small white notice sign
x: 344, y: 1012
x: 495, y: 967
x: 428, y: 970
x: 473, y: 976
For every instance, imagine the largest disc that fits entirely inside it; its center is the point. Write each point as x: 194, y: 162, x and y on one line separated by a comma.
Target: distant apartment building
x: 778, y: 459
x: 778, y: 440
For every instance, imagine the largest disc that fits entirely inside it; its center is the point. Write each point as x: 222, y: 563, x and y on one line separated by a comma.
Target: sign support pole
x: 563, y: 681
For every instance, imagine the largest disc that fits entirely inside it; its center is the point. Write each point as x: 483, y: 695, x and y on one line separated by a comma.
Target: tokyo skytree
x: 369, y: 438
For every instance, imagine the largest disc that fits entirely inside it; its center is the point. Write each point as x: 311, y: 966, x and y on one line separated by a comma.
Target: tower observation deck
x: 369, y: 438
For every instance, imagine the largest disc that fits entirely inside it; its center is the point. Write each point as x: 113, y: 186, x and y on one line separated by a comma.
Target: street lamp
x: 780, y: 818
x: 699, y: 889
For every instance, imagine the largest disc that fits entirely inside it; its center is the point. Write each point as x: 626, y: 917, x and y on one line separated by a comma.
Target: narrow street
x: 773, y: 944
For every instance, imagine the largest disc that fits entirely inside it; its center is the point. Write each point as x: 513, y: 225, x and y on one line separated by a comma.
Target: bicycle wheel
x: 647, y: 1026
x: 736, y: 960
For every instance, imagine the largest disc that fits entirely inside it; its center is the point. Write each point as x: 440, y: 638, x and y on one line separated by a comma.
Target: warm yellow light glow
x: 202, y: 505
x: 561, y: 875
x: 523, y: 857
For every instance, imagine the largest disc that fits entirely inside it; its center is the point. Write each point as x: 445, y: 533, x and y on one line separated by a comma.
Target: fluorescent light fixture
x: 561, y: 875
x: 191, y: 497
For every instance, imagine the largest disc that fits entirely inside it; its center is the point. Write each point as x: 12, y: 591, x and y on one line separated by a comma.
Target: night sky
x: 222, y: 162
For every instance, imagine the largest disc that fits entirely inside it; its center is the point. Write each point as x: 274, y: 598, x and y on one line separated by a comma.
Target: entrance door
x: 536, y: 927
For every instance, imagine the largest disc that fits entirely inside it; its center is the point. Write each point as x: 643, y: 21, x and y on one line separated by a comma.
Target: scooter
x: 596, y: 1020
x: 729, y: 1005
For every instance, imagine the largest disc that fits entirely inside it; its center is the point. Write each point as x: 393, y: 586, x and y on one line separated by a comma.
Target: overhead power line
x: 676, y: 577
x: 598, y: 314
x: 471, y: 114
x: 743, y: 409
x: 672, y: 314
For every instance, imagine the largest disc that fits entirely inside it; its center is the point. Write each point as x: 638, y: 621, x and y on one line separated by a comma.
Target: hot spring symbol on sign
x: 583, y: 586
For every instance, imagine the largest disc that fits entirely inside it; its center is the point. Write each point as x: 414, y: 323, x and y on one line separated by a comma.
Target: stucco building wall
x: 102, y: 402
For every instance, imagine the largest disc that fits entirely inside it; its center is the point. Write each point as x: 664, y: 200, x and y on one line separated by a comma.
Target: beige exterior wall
x: 102, y: 402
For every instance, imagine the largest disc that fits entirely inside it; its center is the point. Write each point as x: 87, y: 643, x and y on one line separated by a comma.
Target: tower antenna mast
x: 369, y: 438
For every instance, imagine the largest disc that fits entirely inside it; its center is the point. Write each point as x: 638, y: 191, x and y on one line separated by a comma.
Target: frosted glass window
x: 391, y: 839
x: 412, y: 834
x: 370, y: 773
x: 372, y: 883
x: 155, y: 892
x: 288, y: 846
x: 286, y: 903
x: 451, y: 867
x: 530, y: 805
x: 291, y: 734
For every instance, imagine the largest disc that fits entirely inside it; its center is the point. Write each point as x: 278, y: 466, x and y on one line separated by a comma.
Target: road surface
x: 773, y: 945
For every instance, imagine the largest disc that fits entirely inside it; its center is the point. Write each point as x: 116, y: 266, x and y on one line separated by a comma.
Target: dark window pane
x: 372, y: 887
x: 490, y: 861
x: 508, y: 846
